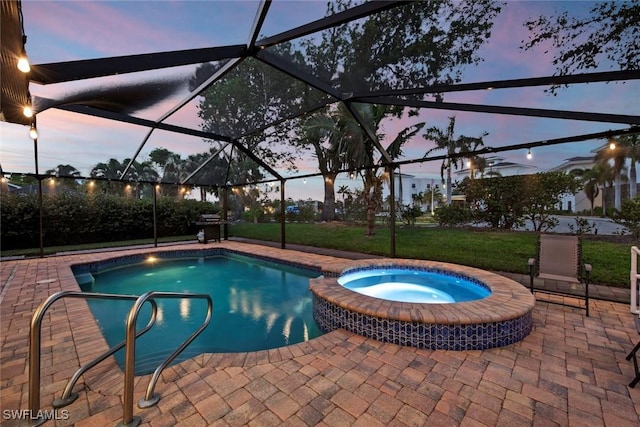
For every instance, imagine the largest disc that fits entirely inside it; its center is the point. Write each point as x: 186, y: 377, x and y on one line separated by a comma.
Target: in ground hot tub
x: 502, y: 317
x: 420, y: 285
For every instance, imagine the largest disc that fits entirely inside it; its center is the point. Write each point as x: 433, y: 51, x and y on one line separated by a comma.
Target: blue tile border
x: 126, y: 260
x: 502, y: 318
x: 475, y: 336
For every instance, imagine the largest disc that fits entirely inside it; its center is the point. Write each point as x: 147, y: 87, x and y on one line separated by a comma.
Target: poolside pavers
x: 571, y: 370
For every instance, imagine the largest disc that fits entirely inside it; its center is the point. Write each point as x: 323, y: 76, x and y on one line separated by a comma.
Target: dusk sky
x: 71, y: 30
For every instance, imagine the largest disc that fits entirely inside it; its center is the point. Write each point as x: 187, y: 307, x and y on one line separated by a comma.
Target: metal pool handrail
x: 150, y: 398
x: 68, y: 397
x: 34, y: 344
x: 130, y: 353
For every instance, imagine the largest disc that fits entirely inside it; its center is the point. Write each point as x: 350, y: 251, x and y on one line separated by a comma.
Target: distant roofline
x: 578, y: 158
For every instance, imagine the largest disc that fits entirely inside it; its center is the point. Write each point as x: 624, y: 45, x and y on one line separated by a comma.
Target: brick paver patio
x: 571, y: 370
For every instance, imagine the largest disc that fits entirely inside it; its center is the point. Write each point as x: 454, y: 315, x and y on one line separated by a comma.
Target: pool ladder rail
x: 68, y: 396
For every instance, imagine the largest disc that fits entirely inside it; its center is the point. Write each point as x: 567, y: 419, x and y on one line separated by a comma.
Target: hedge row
x: 75, y: 218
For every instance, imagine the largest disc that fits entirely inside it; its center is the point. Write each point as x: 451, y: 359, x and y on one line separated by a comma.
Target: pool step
x: 150, y: 362
x: 85, y: 279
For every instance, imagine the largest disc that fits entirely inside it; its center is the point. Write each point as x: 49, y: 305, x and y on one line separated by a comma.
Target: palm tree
x: 111, y: 170
x: 433, y: 196
x: 603, y: 176
x: 477, y: 164
x: 591, y: 179
x: 362, y: 156
x: 66, y: 171
x: 444, y: 140
x: 629, y: 147
x: 616, y: 158
x: 345, y: 191
x: 339, y: 141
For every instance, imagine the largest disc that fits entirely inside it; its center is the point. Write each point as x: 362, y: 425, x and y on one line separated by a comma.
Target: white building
x: 407, y: 186
x: 497, y: 166
x: 577, y: 202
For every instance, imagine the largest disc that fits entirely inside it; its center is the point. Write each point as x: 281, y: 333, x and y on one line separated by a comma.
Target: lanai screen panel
x: 249, y: 98
x: 342, y: 69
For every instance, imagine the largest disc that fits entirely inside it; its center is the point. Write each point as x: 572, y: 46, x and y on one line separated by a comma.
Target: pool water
x: 409, y: 285
x: 257, y: 305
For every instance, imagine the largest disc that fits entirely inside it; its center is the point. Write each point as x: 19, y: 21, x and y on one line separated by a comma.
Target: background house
x: 577, y: 202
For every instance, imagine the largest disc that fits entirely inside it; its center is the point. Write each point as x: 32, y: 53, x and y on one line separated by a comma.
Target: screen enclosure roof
x: 248, y: 92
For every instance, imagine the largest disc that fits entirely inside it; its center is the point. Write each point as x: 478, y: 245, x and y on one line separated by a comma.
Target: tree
x: 415, y: 44
x: 339, y: 141
x: 433, y: 196
x: 609, y: 33
x: 418, y: 43
x: 66, y: 171
x: 590, y: 182
x: 175, y: 169
x: 629, y: 147
x: 629, y: 216
x: 497, y: 201
x: 542, y: 194
x: 615, y: 160
x: 477, y: 164
x: 505, y: 202
x: 605, y: 178
x: 243, y: 102
x: 113, y: 170
x: 444, y: 140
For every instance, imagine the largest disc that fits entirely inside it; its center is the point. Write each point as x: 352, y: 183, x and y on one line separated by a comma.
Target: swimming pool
x: 413, y: 285
x: 257, y: 304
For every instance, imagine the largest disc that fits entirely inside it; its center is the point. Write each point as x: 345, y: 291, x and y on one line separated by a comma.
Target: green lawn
x: 492, y: 250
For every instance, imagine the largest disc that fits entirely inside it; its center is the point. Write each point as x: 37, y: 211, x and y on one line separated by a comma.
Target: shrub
x: 75, y: 218
x: 453, y: 215
x: 629, y: 215
x: 410, y: 213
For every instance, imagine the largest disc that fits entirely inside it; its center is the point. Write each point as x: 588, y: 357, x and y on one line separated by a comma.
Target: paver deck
x: 571, y: 370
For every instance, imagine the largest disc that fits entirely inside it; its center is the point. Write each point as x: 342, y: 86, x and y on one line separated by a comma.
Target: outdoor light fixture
x: 612, y: 145
x: 33, y: 132
x: 529, y: 155
x: 23, y: 65
x: 27, y: 111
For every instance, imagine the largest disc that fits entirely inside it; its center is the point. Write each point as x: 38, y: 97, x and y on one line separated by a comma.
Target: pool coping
x: 502, y: 318
x: 508, y: 300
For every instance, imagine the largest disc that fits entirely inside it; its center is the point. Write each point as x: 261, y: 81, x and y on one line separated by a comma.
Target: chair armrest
x: 532, y: 261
